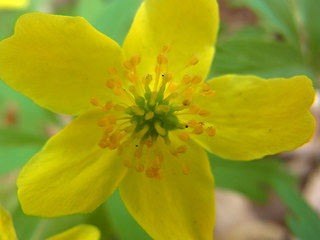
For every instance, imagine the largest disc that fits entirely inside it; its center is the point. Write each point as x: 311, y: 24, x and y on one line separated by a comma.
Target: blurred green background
x: 268, y: 38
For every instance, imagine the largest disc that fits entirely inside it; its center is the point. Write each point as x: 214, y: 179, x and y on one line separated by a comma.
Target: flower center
x: 154, y: 107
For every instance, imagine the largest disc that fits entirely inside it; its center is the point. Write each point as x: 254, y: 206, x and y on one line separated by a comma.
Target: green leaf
x: 113, y: 17
x: 310, y: 29
x: 258, y: 56
x: 302, y: 220
x: 251, y: 178
x: 276, y: 15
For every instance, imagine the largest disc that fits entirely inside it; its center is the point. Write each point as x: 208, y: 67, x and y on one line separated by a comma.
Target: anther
x: 195, y: 109
x: 198, y: 130
x: 94, y: 101
x: 119, y: 108
x: 149, y: 115
x: 186, y: 102
x: 162, y: 59
x: 128, y: 65
x: 138, y: 111
x: 186, y: 79
x: 127, y: 163
x: 139, y: 167
x: 135, y: 60
x: 160, y: 130
x: 102, y: 122
x: 108, y: 106
x: 211, y: 131
x: 110, y: 83
x: 132, y: 77
x: 204, y: 113
x: 133, y: 90
x: 184, y: 136
x: 196, y: 79
x: 143, y: 131
x: 162, y: 109
x: 113, y: 71
x: 185, y: 169
x: 205, y: 87
x: 193, y: 61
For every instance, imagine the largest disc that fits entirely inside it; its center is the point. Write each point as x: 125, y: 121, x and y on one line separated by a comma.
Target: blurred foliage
x: 285, y: 43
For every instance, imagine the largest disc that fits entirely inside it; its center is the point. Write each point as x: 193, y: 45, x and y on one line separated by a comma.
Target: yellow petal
x: 255, y: 117
x: 188, y: 27
x: 13, y: 4
x: 59, y: 62
x: 7, y: 231
x: 178, y: 206
x: 80, y: 232
x: 71, y: 174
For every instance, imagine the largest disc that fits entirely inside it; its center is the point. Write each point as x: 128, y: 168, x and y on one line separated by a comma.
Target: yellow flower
x: 80, y: 232
x: 145, y: 115
x: 13, y: 4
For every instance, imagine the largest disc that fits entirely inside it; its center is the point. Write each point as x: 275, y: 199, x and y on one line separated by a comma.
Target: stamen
x: 94, y: 101
x: 135, y: 60
x: 196, y: 79
x: 138, y: 111
x: 162, y: 59
x: 160, y: 130
x: 143, y: 131
x: 193, y: 61
x: 113, y: 71
x: 204, y: 113
x: 149, y: 115
x: 162, y: 109
x: 211, y: 131
x: 184, y: 136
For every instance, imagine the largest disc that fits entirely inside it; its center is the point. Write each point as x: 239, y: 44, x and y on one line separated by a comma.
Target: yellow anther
x: 160, y: 130
x: 162, y: 59
x: 193, y: 61
x: 189, y: 91
x: 139, y: 167
x: 94, y: 101
x: 108, y: 106
x: 102, y: 122
x: 113, y: 71
x: 205, y: 87
x: 112, y: 118
x: 193, y: 124
x: 150, y: 173
x: 184, y: 136
x: 166, y: 48
x: 181, y: 149
x: 187, y: 79
x: 135, y: 60
x: 196, y: 79
x: 104, y: 143
x: 172, y: 87
x: 157, y: 70
x: 109, y: 128
x: 149, y: 115
x: 149, y: 141
x: 127, y: 163
x: 209, y: 93
x: 160, y: 158
x: 186, y: 102
x: 119, y: 108
x: 128, y: 65
x: 132, y: 77
x: 185, y: 169
x: 204, y: 113
x: 110, y: 83
x: 198, y: 130
x: 138, y: 152
x: 195, y: 109
x: 138, y: 111
x: 162, y: 109
x: 117, y: 91
x: 142, y: 132
x: 211, y: 131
